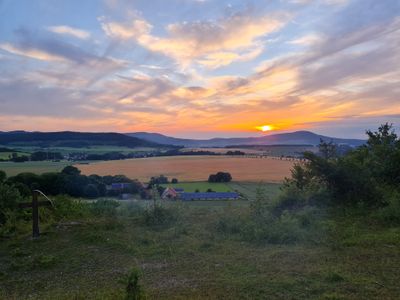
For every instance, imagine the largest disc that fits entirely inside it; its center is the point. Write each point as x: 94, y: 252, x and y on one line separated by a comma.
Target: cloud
x: 47, y: 48
x: 31, y: 52
x: 134, y: 29
x: 67, y: 30
x: 306, y: 40
x: 232, y: 38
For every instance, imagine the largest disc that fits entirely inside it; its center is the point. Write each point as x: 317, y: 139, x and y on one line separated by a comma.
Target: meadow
x: 37, y: 167
x: 194, y: 168
x: 98, y: 149
x: 191, y: 255
x: 248, y: 190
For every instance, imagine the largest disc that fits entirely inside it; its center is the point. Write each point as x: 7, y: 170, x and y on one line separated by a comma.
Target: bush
x: 9, y: 198
x: 66, y: 207
x: 104, y: 207
x: 134, y: 290
x: 159, y: 215
x: 262, y: 223
x: 391, y: 212
x: 91, y: 191
x: 3, y: 176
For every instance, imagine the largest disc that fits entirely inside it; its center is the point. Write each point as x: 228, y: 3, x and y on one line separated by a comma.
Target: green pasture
x: 246, y: 189
x: 88, y: 150
x: 191, y: 187
x: 37, y: 167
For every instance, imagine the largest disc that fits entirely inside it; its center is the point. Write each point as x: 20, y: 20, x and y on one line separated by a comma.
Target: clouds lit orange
x: 215, y: 67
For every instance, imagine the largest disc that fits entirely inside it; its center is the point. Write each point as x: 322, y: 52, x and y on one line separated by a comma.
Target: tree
x: 3, y: 176
x: 365, y: 175
x: 158, y: 180
x: 174, y: 181
x: 9, y: 198
x: 71, y: 170
x: 220, y: 177
x: 327, y: 150
x: 91, y: 191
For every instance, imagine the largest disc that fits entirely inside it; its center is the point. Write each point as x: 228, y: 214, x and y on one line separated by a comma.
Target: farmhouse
x: 169, y: 193
x: 208, y: 196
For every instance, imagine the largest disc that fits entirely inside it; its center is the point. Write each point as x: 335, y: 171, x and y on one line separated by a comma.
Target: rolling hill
x: 72, y: 139
x: 293, y: 138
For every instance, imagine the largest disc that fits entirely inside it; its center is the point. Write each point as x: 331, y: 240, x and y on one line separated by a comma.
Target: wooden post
x: 35, y: 210
x: 35, y: 215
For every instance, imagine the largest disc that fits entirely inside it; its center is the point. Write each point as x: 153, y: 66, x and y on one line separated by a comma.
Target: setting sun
x: 265, y: 128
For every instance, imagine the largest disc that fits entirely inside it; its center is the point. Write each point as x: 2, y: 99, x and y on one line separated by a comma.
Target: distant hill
x: 293, y: 138
x: 72, y: 139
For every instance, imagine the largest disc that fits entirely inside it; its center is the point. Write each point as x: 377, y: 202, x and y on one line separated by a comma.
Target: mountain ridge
x: 72, y: 139
x: 292, y: 138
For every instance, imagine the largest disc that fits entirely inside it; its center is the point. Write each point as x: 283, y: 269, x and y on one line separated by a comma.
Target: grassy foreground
x: 190, y: 257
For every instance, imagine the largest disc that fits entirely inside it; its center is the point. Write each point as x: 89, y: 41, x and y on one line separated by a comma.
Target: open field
x: 194, y: 168
x: 192, y: 259
x: 89, y: 150
x: 201, y: 186
x: 224, y: 150
x: 6, y: 155
x: 38, y: 167
x: 247, y: 189
x: 269, y: 150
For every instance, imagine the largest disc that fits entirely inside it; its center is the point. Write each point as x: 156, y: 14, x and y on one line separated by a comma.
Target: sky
x: 200, y: 68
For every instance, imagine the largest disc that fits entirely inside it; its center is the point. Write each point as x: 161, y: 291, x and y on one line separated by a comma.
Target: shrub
x: 3, y: 176
x: 104, y: 207
x: 391, y: 212
x: 134, y: 290
x: 91, y: 191
x: 66, y: 207
x: 9, y: 198
x: 159, y: 215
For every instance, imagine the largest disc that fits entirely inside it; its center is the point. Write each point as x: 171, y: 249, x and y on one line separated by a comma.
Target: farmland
x: 195, y: 168
x: 37, y: 167
x: 200, y: 186
x: 247, y: 189
x: 97, y: 149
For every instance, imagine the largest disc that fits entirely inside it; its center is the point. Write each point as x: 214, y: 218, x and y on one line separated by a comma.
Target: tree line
x: 367, y: 176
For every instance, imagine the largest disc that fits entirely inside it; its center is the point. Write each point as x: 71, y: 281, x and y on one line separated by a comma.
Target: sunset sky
x: 200, y: 68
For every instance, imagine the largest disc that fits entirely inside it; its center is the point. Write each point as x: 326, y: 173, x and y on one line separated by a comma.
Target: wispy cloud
x: 67, y: 30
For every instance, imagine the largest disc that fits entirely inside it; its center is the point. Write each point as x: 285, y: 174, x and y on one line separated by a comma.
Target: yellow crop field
x: 194, y: 168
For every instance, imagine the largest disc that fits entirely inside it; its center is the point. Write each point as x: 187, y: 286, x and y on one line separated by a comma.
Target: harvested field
x: 194, y: 168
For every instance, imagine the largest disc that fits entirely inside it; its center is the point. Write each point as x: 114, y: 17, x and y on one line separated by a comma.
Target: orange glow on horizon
x: 265, y: 128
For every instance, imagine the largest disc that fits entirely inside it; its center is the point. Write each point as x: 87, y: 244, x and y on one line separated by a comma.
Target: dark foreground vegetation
x: 332, y: 233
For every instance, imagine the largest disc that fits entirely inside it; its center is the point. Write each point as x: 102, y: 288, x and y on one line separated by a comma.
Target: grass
x: 191, y: 260
x: 247, y: 190
x: 89, y: 150
x: 6, y: 155
x: 38, y: 167
x: 200, y: 186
